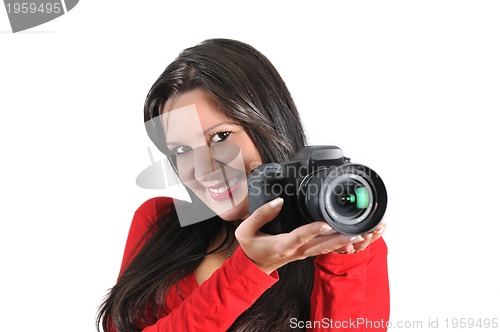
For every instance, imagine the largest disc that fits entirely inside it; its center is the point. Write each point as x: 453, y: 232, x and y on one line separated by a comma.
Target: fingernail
x: 324, y: 229
x: 332, y: 231
x: 276, y: 203
x: 357, y: 238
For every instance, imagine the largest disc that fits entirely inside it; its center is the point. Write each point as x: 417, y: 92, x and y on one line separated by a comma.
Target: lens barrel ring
x: 316, y: 205
x: 328, y: 198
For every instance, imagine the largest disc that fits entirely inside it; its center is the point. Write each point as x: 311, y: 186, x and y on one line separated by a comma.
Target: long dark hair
x: 249, y: 90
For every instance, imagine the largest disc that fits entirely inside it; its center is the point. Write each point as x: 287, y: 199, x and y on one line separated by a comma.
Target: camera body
x: 319, y: 184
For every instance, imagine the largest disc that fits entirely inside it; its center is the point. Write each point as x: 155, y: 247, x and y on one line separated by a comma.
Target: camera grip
x: 260, y: 181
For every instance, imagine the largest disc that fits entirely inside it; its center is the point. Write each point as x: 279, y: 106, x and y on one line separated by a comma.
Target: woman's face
x: 214, y: 155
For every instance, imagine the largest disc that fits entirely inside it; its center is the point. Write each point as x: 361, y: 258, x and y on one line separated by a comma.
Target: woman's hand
x: 369, y: 238
x: 270, y: 252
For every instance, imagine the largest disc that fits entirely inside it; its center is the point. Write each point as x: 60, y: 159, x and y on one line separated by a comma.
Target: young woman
x: 223, y: 273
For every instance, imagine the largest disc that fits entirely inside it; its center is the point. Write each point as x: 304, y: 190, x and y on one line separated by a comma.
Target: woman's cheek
x: 186, y: 172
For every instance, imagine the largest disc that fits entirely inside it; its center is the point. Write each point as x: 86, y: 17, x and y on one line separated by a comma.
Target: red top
x: 350, y: 292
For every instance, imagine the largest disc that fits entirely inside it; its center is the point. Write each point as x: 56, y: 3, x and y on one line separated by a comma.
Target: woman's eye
x: 182, y: 149
x: 220, y: 136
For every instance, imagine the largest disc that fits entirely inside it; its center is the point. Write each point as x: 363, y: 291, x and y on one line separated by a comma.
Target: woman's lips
x: 222, y: 191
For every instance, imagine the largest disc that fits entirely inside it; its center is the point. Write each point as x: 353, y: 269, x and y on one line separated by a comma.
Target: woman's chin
x: 239, y: 212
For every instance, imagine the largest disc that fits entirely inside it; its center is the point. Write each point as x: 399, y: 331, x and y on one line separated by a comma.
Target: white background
x: 408, y: 88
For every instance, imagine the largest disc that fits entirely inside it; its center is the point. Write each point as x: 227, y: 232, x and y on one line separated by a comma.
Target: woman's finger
x: 302, y: 235
x: 264, y: 214
x: 324, y: 244
x: 360, y: 246
x: 377, y: 233
x: 369, y: 238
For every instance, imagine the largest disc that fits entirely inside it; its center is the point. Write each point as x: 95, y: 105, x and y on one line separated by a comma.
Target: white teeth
x: 223, y: 188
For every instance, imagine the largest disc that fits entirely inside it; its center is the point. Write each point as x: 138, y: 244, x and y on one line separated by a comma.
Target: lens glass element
x: 348, y: 198
x: 362, y: 197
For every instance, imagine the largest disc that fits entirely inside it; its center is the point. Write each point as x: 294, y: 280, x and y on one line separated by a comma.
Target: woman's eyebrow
x: 206, y: 131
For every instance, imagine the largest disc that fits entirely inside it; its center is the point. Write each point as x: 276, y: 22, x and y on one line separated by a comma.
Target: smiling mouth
x: 223, y: 187
x: 222, y: 191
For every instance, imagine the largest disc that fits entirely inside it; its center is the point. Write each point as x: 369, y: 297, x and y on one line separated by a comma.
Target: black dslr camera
x: 319, y: 184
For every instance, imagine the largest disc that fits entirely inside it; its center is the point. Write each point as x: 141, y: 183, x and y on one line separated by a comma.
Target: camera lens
x: 348, y: 198
x: 351, y: 198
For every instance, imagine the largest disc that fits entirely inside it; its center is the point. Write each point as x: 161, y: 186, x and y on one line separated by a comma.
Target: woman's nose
x: 203, y: 161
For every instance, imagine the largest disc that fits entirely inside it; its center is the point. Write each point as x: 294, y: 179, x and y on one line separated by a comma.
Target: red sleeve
x: 220, y: 300
x: 351, y: 292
